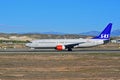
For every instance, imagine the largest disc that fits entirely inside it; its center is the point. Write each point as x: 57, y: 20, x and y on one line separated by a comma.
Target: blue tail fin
x: 105, y: 34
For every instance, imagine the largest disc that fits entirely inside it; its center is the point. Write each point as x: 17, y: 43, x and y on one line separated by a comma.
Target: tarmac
x: 78, y: 50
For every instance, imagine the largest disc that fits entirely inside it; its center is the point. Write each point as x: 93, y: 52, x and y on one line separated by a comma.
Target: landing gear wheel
x: 69, y: 49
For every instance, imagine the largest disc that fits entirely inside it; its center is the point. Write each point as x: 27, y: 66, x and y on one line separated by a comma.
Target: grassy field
x: 60, y: 66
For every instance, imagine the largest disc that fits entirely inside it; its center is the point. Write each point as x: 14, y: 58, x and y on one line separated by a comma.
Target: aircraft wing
x: 72, y: 45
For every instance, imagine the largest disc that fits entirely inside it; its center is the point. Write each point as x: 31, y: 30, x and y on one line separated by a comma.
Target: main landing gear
x: 69, y: 49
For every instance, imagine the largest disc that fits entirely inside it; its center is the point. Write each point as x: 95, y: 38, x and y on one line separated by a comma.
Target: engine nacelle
x: 60, y: 47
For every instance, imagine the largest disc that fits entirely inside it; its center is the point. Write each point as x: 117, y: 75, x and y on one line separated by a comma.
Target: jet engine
x: 60, y: 47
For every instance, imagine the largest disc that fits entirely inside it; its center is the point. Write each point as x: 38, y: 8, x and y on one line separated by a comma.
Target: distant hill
x: 95, y: 33
x: 52, y: 32
x: 91, y: 33
x: 116, y: 32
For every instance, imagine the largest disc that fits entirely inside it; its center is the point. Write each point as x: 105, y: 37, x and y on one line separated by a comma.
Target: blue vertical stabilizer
x: 105, y: 34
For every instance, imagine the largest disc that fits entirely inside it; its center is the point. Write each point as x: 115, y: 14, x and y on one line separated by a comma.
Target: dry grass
x: 60, y: 66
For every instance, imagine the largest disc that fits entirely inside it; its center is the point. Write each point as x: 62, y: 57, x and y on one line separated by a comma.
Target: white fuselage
x: 52, y: 43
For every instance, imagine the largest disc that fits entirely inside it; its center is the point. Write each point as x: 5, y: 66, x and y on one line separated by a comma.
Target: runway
x: 64, y: 51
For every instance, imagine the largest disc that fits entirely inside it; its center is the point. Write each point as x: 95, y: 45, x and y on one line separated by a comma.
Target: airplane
x: 69, y: 44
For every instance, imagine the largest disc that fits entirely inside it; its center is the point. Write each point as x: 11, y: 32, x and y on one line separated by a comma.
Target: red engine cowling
x: 60, y: 47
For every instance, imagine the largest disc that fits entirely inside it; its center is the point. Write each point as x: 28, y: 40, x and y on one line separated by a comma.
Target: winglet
x: 105, y: 34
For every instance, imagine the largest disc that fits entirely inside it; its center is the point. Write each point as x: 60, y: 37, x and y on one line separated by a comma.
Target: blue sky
x: 67, y: 16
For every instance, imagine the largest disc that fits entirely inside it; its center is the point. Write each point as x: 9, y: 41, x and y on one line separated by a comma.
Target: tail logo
x: 104, y: 36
